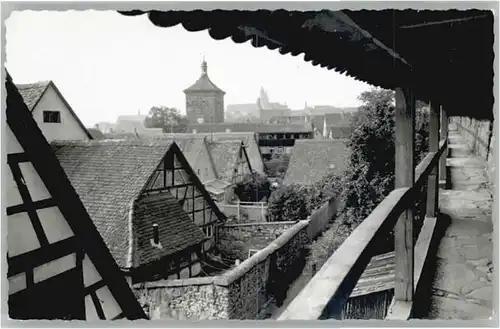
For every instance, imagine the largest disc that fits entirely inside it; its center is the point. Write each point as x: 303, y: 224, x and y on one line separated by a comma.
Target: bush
x: 287, y: 203
x: 253, y: 188
x: 306, y: 199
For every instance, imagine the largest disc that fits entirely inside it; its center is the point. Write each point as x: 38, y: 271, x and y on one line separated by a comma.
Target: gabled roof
x: 32, y: 93
x: 248, y: 138
x: 190, y: 145
x: 312, y: 159
x: 26, y: 139
x: 225, y: 155
x: 108, y: 175
x: 176, y: 230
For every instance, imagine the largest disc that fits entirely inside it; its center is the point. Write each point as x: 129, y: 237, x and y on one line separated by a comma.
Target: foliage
x: 169, y: 119
x: 369, y: 178
x: 287, y: 204
x: 277, y: 165
x: 370, y: 175
x: 254, y: 188
x: 305, y: 198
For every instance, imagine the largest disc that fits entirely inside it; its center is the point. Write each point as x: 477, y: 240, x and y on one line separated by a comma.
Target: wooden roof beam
x: 349, y: 22
x: 338, y: 21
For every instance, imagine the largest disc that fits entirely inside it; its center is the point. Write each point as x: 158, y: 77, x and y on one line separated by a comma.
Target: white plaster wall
x: 67, y: 129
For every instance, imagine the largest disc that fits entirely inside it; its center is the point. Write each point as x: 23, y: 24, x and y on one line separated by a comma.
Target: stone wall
x: 266, y: 276
x: 322, y: 217
x: 235, y: 240
x: 190, y: 299
x: 480, y: 138
x: 209, y: 106
x: 244, y: 292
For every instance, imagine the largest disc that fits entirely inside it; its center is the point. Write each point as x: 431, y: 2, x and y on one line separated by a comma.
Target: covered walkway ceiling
x: 444, y: 55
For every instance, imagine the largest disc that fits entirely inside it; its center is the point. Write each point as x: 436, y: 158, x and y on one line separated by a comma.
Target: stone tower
x: 204, y: 100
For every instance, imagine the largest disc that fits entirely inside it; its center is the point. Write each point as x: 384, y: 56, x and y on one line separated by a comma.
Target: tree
x: 371, y: 170
x: 254, y: 187
x: 169, y: 119
x: 369, y: 177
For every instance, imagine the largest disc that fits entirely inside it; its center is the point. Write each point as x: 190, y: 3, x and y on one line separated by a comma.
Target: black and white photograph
x: 250, y: 161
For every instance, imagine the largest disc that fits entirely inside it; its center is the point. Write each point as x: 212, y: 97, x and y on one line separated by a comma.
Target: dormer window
x: 52, y: 116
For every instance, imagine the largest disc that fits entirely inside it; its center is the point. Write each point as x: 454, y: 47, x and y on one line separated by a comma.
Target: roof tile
x: 32, y: 92
x: 312, y: 159
x: 176, y: 230
x: 108, y: 175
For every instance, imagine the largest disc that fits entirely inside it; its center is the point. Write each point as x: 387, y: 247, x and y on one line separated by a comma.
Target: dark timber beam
x: 349, y: 22
x: 405, y: 178
x: 433, y: 183
x: 443, y: 136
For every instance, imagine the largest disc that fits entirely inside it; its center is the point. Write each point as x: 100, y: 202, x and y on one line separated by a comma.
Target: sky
x: 106, y: 64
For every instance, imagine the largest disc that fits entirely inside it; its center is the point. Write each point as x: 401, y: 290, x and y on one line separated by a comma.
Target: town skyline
x: 105, y: 69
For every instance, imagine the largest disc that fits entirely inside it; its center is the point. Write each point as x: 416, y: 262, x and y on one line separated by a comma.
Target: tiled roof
x: 203, y: 84
x: 176, y: 230
x: 190, y: 144
x: 248, y: 138
x: 332, y: 119
x: 339, y: 132
x: 108, y: 175
x: 32, y: 92
x: 224, y: 155
x: 312, y: 159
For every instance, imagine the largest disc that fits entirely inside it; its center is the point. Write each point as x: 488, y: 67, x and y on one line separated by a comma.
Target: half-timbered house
x: 231, y: 164
x: 58, y: 265
x: 152, y: 210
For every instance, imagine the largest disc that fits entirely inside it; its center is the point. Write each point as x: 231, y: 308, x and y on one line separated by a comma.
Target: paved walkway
x: 462, y: 288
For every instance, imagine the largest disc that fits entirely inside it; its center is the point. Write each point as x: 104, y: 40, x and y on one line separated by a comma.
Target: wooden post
x: 433, y: 184
x: 238, y: 211
x: 405, y: 177
x: 443, y: 136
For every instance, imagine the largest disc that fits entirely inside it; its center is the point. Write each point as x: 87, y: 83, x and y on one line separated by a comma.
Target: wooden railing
x: 332, y: 285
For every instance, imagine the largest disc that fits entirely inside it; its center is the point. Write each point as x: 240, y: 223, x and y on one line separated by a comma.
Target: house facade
x: 152, y: 210
x: 58, y: 265
x: 52, y: 112
x: 219, y: 164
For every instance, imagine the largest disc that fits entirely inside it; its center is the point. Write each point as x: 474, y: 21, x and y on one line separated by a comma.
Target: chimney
x: 156, y: 234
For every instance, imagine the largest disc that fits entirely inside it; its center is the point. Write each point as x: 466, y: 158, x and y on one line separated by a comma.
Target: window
x: 52, y: 116
x: 198, y: 172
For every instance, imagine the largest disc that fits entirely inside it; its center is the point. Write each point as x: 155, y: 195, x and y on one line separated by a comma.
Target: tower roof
x: 204, y: 83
